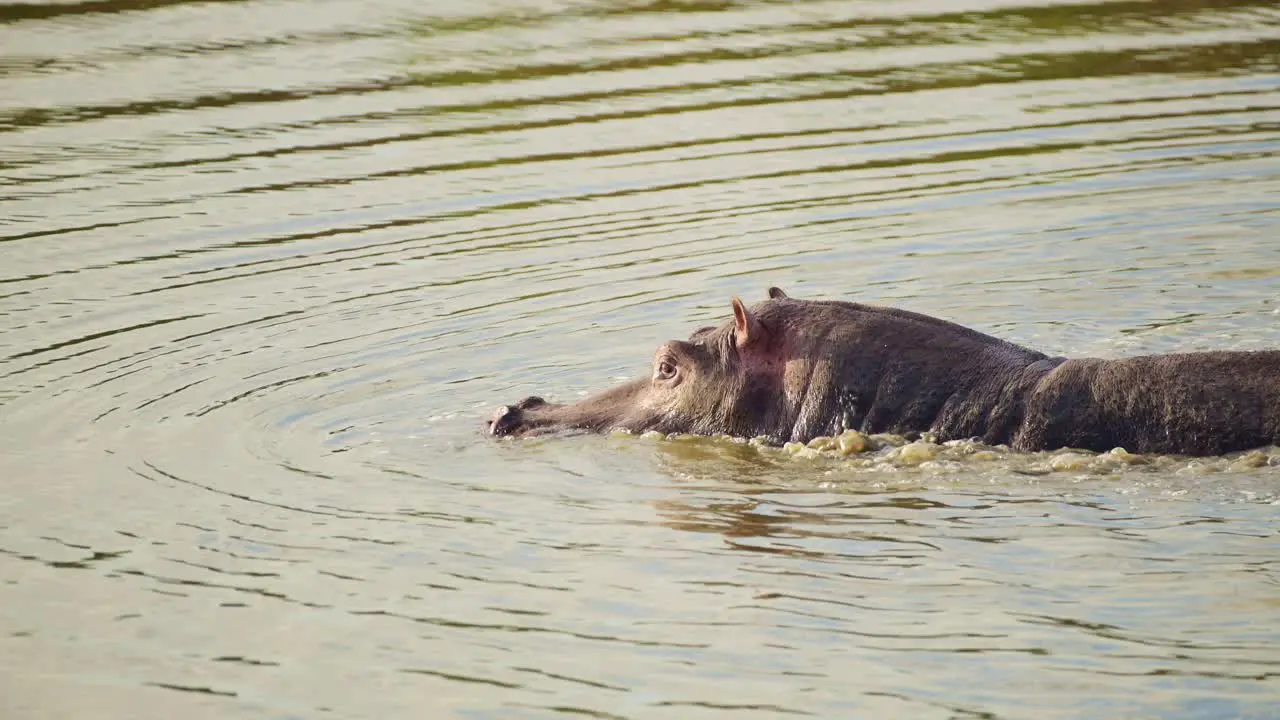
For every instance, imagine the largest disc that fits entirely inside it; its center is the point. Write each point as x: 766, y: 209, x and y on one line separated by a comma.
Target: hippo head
x: 722, y: 379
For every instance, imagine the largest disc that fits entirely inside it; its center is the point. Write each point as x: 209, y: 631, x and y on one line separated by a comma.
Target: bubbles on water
x: 853, y: 460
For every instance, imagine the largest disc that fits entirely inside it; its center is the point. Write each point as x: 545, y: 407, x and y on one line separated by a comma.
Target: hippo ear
x: 775, y: 293
x: 747, y: 329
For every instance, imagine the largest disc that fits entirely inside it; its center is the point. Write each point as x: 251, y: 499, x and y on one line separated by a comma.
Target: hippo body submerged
x: 793, y: 370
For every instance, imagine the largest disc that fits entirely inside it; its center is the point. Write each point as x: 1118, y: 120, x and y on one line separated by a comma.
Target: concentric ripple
x: 266, y: 265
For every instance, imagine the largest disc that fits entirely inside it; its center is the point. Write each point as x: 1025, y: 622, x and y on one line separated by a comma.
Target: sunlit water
x: 266, y: 266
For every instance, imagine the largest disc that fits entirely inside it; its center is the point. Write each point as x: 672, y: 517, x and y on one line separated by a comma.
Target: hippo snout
x: 505, y: 420
x: 511, y: 419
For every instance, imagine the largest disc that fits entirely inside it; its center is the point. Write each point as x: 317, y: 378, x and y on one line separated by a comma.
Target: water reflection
x: 899, y: 562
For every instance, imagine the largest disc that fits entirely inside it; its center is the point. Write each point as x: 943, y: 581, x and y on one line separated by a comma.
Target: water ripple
x: 267, y: 265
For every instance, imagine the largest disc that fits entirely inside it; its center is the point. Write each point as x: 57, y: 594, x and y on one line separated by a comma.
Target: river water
x: 267, y: 265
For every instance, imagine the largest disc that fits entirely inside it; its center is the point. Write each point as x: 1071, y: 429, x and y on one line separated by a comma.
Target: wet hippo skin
x: 792, y: 370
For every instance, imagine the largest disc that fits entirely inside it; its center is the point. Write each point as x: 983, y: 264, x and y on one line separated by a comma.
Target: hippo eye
x: 665, y: 370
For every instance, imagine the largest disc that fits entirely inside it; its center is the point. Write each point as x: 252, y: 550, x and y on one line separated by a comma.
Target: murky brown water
x: 266, y: 265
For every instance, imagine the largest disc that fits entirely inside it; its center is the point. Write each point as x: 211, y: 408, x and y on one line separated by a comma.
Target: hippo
x: 790, y: 370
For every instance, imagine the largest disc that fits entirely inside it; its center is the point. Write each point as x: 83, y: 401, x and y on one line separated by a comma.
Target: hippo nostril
x: 514, y: 420
x: 506, y: 420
